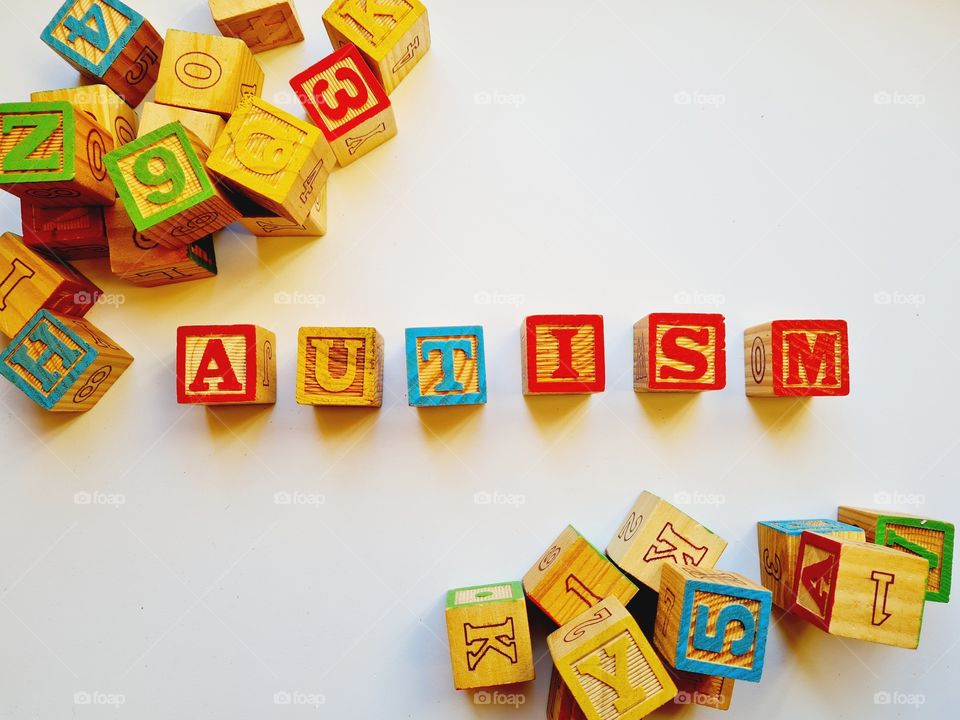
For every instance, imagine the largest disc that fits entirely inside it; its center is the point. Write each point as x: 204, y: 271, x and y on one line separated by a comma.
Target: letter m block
x: 797, y: 358
x: 226, y: 365
x: 340, y: 367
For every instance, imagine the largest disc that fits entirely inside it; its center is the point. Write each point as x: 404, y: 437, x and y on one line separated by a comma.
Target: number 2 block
x: 679, y: 352
x: 797, y: 358
x: 226, y: 365
x: 261, y: 24
x: 446, y: 366
x: 562, y: 354
x: 340, y: 367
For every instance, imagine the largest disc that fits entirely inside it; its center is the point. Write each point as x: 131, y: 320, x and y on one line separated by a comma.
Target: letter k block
x: 446, y: 366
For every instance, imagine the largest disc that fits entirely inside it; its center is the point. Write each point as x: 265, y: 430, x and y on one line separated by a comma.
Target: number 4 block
x: 797, y: 358
x: 226, y: 365
x: 679, y: 352
x: 562, y: 354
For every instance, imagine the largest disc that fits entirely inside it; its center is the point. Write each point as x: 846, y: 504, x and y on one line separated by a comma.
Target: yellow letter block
x: 340, y: 367
x: 102, y: 104
x: 206, y: 126
x: 261, y: 24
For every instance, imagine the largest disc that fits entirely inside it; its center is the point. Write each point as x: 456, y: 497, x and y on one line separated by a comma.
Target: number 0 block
x: 797, y: 358
x: 679, y: 352
x: 226, y: 365
x: 261, y: 24
x: 562, y: 354
x: 102, y: 104
x: 446, y: 366
x: 340, y: 367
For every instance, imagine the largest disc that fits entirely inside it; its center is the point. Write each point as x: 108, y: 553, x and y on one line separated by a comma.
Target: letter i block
x: 261, y: 24
x: 392, y: 35
x: 226, y: 365
x: 107, y: 40
x: 340, y: 367
x: 63, y: 364
x: 679, y: 352
x: 53, y: 155
x: 572, y: 576
x: 608, y: 665
x: 860, y: 590
x: 562, y: 354
x: 929, y: 539
x: 347, y: 103
x: 446, y: 366
x: 76, y: 233
x: 778, y: 542
x: 489, y: 636
x: 655, y: 534
x: 102, y: 104
x: 274, y: 158
x: 797, y: 358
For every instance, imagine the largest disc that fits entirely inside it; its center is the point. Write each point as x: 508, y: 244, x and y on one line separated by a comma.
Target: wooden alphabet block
x: 63, y: 364
x: 226, y: 365
x: 710, y: 691
x: 261, y: 223
x: 206, y: 126
x: 446, y: 366
x: 107, y: 40
x: 165, y: 188
x: 561, y: 705
x: 261, y: 24
x: 712, y: 622
x: 860, y: 590
x: 53, y: 155
x: 679, y: 352
x: 340, y: 367
x: 797, y: 358
x: 655, y: 534
x: 489, y: 636
x: 347, y: 103
x: 572, y: 576
x: 778, y: 542
x: 392, y: 35
x: 207, y: 73
x: 608, y: 665
x: 929, y: 539
x: 64, y: 233
x: 102, y: 104
x: 562, y: 354
x: 276, y: 159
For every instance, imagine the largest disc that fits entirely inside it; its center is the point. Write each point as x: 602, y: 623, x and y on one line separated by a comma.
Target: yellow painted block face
x: 340, y: 366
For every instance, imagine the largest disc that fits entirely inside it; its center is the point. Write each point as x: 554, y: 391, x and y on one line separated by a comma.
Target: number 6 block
x: 226, y: 365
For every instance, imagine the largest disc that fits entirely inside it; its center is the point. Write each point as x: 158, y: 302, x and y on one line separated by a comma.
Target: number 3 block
x: 446, y: 366
x: 261, y: 24
x: 562, y: 354
x: 226, y: 365
x: 679, y: 352
x: 797, y: 358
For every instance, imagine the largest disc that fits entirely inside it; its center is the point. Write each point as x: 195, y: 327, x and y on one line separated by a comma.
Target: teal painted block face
x: 92, y: 35
x: 446, y: 366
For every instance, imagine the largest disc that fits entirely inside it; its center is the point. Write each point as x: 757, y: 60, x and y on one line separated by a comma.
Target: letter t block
x: 226, y: 365
x: 340, y: 367
x: 797, y: 358
x: 562, y: 354
x: 679, y: 352
x: 446, y: 366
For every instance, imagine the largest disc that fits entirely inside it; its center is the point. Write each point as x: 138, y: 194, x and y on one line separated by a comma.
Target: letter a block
x: 63, y: 364
x: 489, y: 636
x: 562, y: 354
x: 608, y: 665
x: 340, y: 367
x: 797, y: 358
x: 929, y: 539
x: 679, y: 352
x: 572, y: 576
x: 261, y: 24
x: 226, y: 365
x: 446, y: 366
x: 860, y: 590
x: 102, y: 104
x: 656, y: 534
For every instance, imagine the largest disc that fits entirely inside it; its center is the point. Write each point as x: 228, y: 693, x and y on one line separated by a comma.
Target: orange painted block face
x: 226, y: 364
x: 562, y: 354
x: 680, y: 352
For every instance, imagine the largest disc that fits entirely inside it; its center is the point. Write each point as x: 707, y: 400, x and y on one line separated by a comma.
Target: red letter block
x: 679, y: 352
x: 226, y: 365
x: 797, y: 358
x: 562, y: 354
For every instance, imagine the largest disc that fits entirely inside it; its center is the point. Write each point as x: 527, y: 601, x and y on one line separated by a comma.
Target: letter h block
x: 562, y: 354
x: 340, y: 367
x: 489, y: 636
x: 797, y: 358
x: 679, y: 352
x: 446, y: 366
x: 226, y: 365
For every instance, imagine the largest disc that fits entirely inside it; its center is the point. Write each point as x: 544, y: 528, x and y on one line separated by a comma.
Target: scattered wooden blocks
x: 102, y: 104
x: 261, y: 24
x: 226, y: 365
x: 489, y: 636
x: 53, y: 155
x: 63, y: 364
x: 107, y: 40
x: 859, y: 590
x: 711, y: 691
x: 446, y: 366
x: 340, y: 367
x: 64, y: 233
x: 608, y: 665
x: 679, y: 352
x: 712, y: 622
x: 347, y: 103
x: 391, y: 35
x: 261, y: 223
x: 929, y: 539
x: 655, y: 534
x: 562, y: 354
x: 206, y: 126
x: 797, y: 358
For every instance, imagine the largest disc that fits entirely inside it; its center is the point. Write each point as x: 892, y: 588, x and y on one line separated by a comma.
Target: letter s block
x: 562, y: 354
x: 261, y: 24
x: 446, y: 366
x: 679, y: 352
x: 340, y: 367
x: 226, y: 365
x: 489, y: 636
x: 797, y: 358
x: 608, y: 665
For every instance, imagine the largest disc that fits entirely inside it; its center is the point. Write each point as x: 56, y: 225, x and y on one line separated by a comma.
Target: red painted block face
x: 563, y: 354
x: 680, y: 352
x: 225, y: 364
x: 810, y: 357
x: 815, y: 581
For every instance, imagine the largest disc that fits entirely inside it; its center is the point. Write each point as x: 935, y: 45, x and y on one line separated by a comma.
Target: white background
x: 612, y: 156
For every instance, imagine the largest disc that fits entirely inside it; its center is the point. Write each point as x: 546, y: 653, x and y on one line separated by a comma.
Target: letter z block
x: 608, y: 665
x: 102, y: 104
x: 489, y: 636
x: 562, y: 354
x: 797, y: 358
x: 446, y: 366
x: 679, y: 352
x: 76, y: 233
x: 340, y: 367
x: 261, y: 24
x: 226, y: 365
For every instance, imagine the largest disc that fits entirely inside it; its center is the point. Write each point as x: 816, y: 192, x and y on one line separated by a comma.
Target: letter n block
x: 261, y: 24
x: 340, y: 367
x: 679, y: 352
x: 65, y: 233
x: 797, y: 358
x: 446, y: 366
x: 608, y: 665
x: 489, y: 636
x: 226, y: 365
x: 562, y: 354
x: 655, y: 534
x: 63, y: 364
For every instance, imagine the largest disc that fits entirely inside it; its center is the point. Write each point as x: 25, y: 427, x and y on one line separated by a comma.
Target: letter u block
x: 340, y: 367
x: 489, y: 636
x: 261, y: 24
x: 797, y: 358
x: 63, y: 364
x: 608, y: 665
x: 446, y: 366
x: 226, y: 365
x: 655, y: 534
x: 562, y: 354
x: 679, y: 352
x: 712, y: 622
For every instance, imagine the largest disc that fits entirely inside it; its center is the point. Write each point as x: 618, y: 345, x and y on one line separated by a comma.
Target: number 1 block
x: 446, y: 366
x: 226, y: 365
x: 679, y: 352
x: 562, y: 354
x: 261, y: 24
x: 797, y: 358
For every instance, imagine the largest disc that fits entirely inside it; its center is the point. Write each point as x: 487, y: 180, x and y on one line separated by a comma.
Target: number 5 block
x: 797, y: 358
x: 679, y: 352
x: 226, y: 365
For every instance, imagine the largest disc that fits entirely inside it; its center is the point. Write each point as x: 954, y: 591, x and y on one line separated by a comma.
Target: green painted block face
x: 37, y: 144
x: 478, y: 594
x: 931, y: 540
